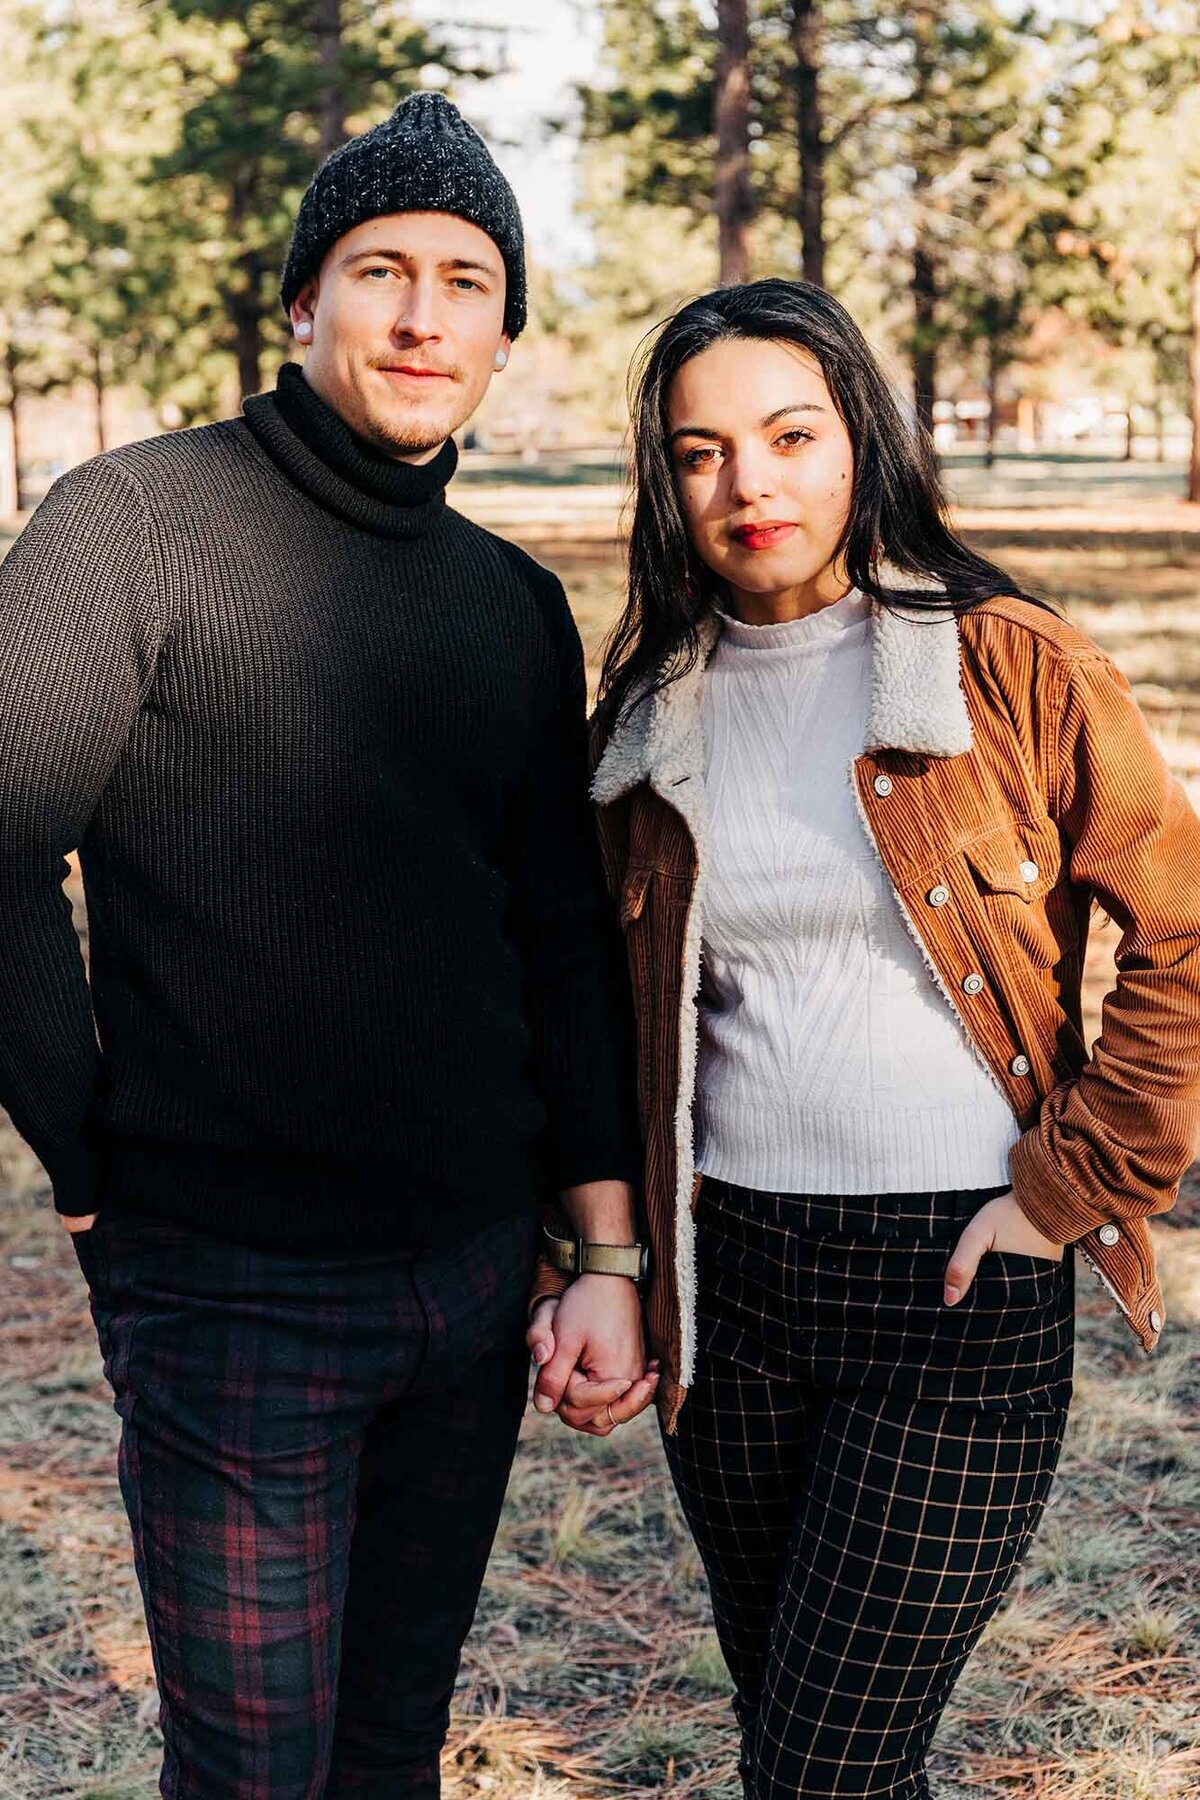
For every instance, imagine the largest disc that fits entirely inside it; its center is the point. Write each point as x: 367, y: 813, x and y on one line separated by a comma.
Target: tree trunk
x: 924, y: 294
x: 244, y: 299
x: 924, y: 268
x: 247, y: 343
x: 731, y: 122
x: 806, y: 46
x: 993, y: 388
x: 1160, y: 427
x: 11, y: 366
x: 1193, y: 488
x: 98, y: 389
x: 1128, y: 453
x: 331, y: 111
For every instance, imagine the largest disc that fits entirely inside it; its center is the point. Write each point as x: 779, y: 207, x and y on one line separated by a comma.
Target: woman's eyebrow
x: 706, y: 431
x: 782, y: 411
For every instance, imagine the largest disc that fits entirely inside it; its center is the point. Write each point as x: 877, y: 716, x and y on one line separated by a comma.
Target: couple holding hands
x: 725, y: 1054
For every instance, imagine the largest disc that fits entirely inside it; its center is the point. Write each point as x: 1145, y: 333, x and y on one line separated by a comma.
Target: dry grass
x: 593, y: 1672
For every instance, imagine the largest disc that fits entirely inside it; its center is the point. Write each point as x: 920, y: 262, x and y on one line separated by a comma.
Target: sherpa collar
x: 917, y: 704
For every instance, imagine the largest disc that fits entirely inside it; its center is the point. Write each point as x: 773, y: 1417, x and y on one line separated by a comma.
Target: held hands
x: 1000, y: 1225
x: 591, y: 1355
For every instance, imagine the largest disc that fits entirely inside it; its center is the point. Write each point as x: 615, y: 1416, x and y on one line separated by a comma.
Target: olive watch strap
x: 575, y: 1256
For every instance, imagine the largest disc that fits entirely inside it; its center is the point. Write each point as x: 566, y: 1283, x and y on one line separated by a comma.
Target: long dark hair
x: 897, y: 509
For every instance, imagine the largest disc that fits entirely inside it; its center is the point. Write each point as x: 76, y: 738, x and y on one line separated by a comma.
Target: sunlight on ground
x: 593, y: 1671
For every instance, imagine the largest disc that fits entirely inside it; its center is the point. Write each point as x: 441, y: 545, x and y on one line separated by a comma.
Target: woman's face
x: 764, y: 469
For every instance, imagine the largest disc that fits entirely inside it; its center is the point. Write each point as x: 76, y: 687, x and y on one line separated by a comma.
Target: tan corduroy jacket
x: 1008, y: 784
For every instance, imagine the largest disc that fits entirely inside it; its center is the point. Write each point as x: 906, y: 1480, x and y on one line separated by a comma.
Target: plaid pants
x: 313, y: 1457
x: 862, y: 1468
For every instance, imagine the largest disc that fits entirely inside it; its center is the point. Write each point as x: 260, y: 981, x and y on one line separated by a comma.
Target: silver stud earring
x: 501, y: 360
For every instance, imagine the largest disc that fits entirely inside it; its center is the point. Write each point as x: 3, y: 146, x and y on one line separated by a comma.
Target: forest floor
x: 593, y: 1672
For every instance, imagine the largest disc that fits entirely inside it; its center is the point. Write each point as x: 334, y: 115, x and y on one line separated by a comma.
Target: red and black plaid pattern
x: 313, y: 1457
x: 862, y: 1468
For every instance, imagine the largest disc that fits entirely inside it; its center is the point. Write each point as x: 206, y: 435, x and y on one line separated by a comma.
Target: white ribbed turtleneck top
x: 829, y: 1061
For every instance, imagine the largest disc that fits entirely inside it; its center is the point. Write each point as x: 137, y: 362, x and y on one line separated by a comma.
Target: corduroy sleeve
x: 78, y: 637
x: 1115, y: 1141
x: 575, y: 983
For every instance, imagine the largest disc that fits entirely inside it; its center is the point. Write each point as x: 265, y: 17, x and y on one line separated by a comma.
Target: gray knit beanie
x: 425, y: 158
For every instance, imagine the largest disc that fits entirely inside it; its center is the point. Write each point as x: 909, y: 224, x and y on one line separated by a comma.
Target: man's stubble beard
x: 400, y: 437
x: 395, y: 440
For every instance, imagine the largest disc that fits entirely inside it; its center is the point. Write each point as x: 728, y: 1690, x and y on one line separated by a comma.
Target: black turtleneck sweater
x: 319, y: 741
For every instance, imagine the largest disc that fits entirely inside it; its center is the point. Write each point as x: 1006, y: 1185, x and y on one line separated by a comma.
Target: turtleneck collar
x: 317, y: 450
x: 820, y: 627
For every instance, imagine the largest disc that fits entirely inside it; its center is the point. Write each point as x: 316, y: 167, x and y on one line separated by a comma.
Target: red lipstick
x: 762, y: 534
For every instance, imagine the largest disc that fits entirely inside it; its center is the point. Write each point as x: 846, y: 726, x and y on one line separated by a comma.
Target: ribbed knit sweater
x: 320, y: 743
x: 829, y: 1061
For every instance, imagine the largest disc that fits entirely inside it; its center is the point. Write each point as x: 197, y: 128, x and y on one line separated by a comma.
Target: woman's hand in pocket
x: 77, y: 1222
x: 1000, y: 1225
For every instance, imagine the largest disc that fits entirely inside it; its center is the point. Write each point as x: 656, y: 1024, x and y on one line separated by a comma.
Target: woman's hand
x: 592, y: 1357
x: 1000, y: 1225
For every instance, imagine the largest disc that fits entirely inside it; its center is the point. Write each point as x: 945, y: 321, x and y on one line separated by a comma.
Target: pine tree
x: 164, y: 147
x: 731, y: 129
x: 807, y: 47
x: 905, y: 124
x: 1120, y: 227
x: 961, y: 93
x: 269, y: 85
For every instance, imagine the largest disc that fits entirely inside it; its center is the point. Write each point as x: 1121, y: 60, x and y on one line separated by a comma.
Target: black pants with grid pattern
x: 862, y: 1468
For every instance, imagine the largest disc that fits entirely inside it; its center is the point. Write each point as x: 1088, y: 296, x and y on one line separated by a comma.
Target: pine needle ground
x: 593, y: 1672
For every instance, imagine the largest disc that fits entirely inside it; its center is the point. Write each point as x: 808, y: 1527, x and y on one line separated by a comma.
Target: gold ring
x: 608, y: 1410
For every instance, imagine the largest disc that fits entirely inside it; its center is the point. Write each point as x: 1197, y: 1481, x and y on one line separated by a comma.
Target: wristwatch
x: 575, y: 1256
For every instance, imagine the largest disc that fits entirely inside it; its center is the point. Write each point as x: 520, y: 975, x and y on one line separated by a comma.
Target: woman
x: 856, y: 817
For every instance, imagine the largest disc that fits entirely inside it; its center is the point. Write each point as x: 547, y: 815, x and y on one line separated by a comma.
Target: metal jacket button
x: 1029, y: 871
x: 972, y: 984
x: 883, y: 786
x: 938, y: 896
x: 1019, y: 1065
x: 1108, y: 1234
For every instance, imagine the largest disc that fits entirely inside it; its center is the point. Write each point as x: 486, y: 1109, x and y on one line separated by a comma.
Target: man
x: 353, y: 1005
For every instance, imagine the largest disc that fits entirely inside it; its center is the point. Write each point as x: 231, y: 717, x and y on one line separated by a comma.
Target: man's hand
x: 1000, y: 1225
x: 592, y: 1355
x: 79, y: 1221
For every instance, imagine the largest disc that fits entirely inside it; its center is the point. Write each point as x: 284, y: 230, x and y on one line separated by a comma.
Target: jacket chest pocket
x: 633, y: 894
x: 649, y: 893
x: 654, y: 914
x: 1014, y: 872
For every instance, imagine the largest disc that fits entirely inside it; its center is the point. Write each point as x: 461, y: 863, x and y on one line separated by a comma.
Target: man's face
x: 406, y: 316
